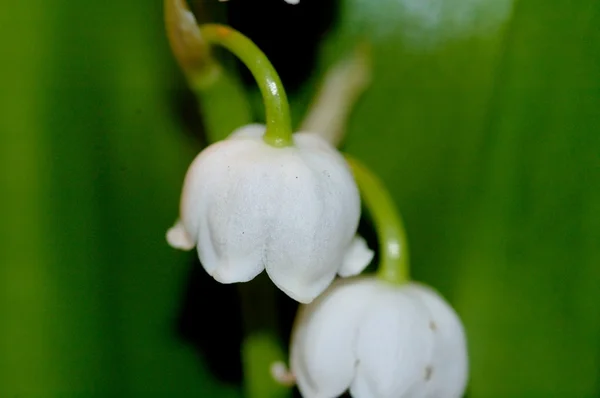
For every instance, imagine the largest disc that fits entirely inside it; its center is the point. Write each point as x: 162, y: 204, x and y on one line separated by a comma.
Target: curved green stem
x: 278, y: 121
x: 394, y: 259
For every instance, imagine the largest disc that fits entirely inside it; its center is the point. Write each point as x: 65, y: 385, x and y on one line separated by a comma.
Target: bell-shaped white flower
x: 293, y: 211
x: 380, y: 341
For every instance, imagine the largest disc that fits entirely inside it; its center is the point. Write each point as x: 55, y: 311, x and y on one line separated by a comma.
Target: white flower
x: 380, y: 341
x: 293, y: 211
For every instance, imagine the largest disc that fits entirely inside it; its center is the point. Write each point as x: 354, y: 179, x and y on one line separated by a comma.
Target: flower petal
x: 178, y: 237
x: 298, y: 259
x: 357, y: 258
x: 322, y: 350
x: 225, y: 207
x: 254, y: 131
x: 317, y: 221
x: 394, y: 346
x: 448, y: 372
x: 239, y: 222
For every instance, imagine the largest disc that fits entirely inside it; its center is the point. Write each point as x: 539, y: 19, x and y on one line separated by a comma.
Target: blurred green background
x: 483, y: 119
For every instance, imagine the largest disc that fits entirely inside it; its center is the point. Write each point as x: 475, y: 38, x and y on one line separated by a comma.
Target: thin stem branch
x: 278, y: 121
x: 222, y: 100
x: 394, y: 256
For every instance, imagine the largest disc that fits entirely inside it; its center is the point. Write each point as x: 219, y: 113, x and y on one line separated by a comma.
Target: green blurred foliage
x: 93, y: 162
x: 489, y: 142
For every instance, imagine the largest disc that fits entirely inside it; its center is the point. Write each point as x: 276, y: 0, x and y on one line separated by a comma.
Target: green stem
x: 261, y: 347
x: 394, y: 256
x: 278, y: 121
x: 223, y: 103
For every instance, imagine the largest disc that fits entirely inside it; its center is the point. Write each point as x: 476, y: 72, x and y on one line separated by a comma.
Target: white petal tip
x: 357, y: 258
x: 302, y: 292
x: 235, y: 272
x: 282, y: 375
x: 178, y: 238
x: 299, y: 296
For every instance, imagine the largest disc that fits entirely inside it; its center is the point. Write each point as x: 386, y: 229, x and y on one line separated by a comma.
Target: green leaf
x: 93, y: 162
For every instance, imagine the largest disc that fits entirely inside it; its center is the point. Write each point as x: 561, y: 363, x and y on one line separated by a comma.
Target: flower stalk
x: 222, y: 98
x: 225, y: 106
x: 278, y: 121
x: 394, y: 254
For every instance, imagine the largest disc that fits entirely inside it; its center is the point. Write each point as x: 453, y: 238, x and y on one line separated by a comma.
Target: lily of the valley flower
x: 380, y: 341
x: 294, y: 211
